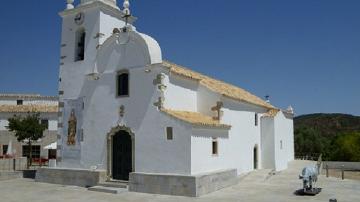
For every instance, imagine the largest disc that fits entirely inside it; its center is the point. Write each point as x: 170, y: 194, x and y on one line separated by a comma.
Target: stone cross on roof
x: 217, y: 108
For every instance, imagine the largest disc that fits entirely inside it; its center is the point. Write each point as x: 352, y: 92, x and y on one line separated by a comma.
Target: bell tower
x: 85, y: 27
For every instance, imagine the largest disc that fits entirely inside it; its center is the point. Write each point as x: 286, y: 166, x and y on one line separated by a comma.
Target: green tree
x: 27, y: 129
x: 347, y: 147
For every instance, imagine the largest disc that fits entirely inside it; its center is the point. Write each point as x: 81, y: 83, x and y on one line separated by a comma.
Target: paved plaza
x: 256, y: 186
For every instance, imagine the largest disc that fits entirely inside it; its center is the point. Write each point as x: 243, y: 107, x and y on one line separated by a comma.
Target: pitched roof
x: 195, y: 118
x: 225, y: 89
x: 26, y: 96
x: 29, y: 108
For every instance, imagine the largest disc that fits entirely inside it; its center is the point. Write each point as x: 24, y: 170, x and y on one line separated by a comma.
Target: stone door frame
x: 109, y: 138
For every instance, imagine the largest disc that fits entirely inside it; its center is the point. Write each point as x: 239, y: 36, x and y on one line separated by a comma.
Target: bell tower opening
x: 80, y: 44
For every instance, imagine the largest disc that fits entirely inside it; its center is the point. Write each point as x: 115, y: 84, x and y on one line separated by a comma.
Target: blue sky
x: 302, y: 53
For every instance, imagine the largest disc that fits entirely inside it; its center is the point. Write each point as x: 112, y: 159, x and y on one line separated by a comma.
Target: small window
x: 19, y: 102
x: 169, y: 133
x: 215, y: 147
x: 45, y: 122
x: 123, y: 84
x: 4, y: 149
x: 281, y: 144
x: 35, y: 150
x: 256, y: 119
x: 82, y: 135
x: 80, y: 45
x: 52, y: 154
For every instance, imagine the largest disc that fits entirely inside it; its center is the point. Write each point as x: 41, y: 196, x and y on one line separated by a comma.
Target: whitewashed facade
x: 167, y: 111
x: 21, y: 105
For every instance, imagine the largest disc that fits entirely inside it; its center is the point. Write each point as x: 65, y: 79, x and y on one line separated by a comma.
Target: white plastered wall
x: 244, y: 134
x: 268, y: 142
x: 180, y: 94
x: 237, y: 146
x: 202, y: 159
x: 283, y: 133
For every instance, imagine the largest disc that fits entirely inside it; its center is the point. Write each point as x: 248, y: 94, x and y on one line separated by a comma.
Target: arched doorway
x: 255, y: 157
x: 121, y: 156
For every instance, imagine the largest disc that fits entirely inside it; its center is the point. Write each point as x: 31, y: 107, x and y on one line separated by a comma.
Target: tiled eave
x: 196, y: 119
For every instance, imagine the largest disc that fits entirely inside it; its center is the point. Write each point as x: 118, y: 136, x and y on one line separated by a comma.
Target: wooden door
x: 121, y: 156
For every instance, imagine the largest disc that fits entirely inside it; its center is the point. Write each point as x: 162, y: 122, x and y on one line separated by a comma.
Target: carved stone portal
x: 72, y: 122
x: 113, y: 132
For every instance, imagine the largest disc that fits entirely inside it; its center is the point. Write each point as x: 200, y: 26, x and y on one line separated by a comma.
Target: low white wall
x: 9, y: 164
x: 3, y: 124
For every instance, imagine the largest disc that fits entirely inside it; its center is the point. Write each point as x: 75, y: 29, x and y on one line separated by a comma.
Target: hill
x: 336, y: 136
x: 329, y: 124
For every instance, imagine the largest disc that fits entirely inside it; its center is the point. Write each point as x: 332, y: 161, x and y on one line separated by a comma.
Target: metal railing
x: 305, y: 156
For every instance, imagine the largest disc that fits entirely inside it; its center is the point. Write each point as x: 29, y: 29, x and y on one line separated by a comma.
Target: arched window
x: 122, y: 83
x: 80, y: 45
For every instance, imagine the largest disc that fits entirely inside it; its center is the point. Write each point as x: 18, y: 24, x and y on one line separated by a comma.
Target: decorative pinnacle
x: 126, y: 6
x: 69, y: 4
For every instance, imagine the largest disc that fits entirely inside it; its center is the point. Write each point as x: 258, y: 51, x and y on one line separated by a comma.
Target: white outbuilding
x: 129, y: 115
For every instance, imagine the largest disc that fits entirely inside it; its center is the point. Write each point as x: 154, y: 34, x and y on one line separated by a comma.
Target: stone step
x: 110, y: 190
x: 115, y: 184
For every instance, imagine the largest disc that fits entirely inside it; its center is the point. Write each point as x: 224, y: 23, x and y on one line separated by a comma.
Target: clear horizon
x: 305, y: 54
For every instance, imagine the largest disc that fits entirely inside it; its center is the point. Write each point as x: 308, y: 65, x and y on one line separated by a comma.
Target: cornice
x: 115, y: 11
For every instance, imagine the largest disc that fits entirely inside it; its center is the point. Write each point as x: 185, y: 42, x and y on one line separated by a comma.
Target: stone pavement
x: 255, y: 187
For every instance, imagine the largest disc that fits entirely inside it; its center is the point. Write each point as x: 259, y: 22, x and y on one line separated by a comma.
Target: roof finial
x: 127, y: 13
x: 126, y: 10
x: 69, y: 4
x: 290, y: 109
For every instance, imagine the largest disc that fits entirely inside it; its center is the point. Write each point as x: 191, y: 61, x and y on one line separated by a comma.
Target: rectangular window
x: 80, y: 45
x: 256, y: 119
x: 281, y: 144
x: 122, y: 84
x: 82, y: 135
x: 169, y: 133
x: 19, y: 102
x: 35, y: 151
x: 4, y: 149
x: 52, y: 154
x: 45, y: 122
x: 215, y: 147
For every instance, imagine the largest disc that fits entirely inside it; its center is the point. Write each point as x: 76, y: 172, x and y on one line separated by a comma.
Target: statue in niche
x: 72, y: 128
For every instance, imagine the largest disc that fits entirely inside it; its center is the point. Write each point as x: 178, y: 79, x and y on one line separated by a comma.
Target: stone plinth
x: 182, y: 185
x: 77, y: 177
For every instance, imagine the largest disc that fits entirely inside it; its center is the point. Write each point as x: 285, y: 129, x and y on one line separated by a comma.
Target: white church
x: 129, y: 116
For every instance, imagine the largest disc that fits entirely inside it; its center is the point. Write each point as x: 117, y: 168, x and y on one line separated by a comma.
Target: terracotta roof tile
x: 23, y: 96
x: 225, y: 89
x: 29, y: 108
x: 195, y: 118
x: 271, y: 113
